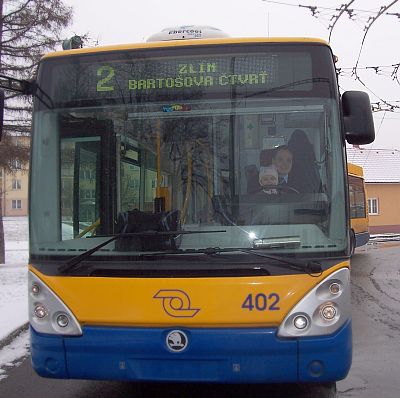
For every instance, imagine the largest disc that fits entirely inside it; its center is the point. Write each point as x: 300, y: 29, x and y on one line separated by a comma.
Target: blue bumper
x: 362, y: 239
x: 213, y: 355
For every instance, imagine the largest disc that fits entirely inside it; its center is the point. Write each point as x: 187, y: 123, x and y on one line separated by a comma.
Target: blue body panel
x: 362, y: 239
x: 251, y: 355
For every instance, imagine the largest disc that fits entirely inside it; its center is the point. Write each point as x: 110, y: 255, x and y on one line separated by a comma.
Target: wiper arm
x: 310, y: 266
x: 73, y: 262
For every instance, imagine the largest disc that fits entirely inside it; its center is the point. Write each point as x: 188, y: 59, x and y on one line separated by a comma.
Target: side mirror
x: 1, y: 112
x: 358, y: 121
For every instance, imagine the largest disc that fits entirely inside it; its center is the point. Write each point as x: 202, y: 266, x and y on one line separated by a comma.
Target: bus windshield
x: 241, y: 144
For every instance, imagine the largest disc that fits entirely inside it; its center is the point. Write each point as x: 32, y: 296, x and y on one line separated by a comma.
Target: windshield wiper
x: 308, y: 266
x: 73, y: 262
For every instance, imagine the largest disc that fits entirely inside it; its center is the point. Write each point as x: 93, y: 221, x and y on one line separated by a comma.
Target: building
x: 14, y: 186
x: 382, y: 180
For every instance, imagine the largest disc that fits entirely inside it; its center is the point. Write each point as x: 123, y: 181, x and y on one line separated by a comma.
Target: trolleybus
x: 359, y: 233
x: 155, y: 253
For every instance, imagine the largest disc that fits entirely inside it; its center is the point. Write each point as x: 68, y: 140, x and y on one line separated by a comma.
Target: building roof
x: 380, y: 165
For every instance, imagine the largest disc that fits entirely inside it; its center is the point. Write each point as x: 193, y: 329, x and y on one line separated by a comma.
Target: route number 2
x: 261, y: 302
x: 108, y: 73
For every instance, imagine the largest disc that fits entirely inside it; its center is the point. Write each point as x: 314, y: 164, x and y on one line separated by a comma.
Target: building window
x: 16, y: 204
x: 16, y: 164
x: 373, y: 208
x: 16, y: 184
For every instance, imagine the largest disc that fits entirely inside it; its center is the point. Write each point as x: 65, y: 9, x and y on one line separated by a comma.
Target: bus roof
x: 355, y: 170
x: 184, y: 43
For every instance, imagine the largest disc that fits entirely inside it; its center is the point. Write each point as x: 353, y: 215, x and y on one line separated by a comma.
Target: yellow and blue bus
x: 359, y: 233
x: 155, y: 253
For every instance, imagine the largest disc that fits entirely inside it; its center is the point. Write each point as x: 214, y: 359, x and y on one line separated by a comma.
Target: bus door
x: 86, y: 181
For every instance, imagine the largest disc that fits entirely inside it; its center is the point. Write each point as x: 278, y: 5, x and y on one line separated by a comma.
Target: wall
x: 388, y: 219
x: 11, y: 194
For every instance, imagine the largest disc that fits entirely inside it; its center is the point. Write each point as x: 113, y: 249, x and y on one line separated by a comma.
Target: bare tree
x: 29, y: 29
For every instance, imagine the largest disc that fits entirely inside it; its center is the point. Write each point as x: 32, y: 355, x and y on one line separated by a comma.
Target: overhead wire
x: 357, y: 15
x: 367, y: 28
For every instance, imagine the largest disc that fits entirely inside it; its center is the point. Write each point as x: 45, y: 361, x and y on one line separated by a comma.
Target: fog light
x: 40, y: 311
x: 335, y: 288
x: 300, y: 322
x: 328, y: 312
x: 62, y: 320
x: 35, y: 289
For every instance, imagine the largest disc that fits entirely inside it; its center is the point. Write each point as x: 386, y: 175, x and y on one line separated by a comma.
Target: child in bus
x: 268, y: 178
x: 283, y: 161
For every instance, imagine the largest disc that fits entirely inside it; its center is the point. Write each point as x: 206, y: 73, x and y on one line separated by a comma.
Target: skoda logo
x: 176, y: 340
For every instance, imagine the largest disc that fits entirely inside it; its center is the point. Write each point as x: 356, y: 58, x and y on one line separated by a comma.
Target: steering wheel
x: 286, y: 189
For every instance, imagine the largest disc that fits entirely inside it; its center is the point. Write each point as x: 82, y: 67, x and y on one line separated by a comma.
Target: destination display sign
x: 126, y: 78
x: 158, y: 75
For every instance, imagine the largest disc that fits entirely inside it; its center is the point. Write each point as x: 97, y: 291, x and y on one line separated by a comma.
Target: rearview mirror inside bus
x: 358, y: 121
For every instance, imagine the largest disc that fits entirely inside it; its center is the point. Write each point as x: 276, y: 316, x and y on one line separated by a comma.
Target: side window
x: 357, y: 197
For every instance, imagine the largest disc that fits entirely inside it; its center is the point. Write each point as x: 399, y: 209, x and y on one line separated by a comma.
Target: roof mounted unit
x: 187, y: 33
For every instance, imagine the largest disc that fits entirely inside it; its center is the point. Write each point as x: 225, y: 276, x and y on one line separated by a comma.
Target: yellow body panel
x: 184, y: 43
x: 209, y: 302
x: 355, y: 170
x: 359, y: 225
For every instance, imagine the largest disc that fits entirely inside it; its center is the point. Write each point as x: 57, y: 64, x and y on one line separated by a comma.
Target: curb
x: 10, y: 337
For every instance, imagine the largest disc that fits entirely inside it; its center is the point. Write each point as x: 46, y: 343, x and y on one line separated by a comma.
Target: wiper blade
x: 73, y: 262
x: 309, y: 266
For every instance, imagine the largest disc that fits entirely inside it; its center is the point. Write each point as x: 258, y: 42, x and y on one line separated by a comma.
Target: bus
x: 152, y: 254
x: 359, y: 234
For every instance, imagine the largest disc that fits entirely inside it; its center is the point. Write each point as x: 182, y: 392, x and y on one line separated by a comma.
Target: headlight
x: 62, y: 320
x: 47, y: 313
x: 40, y: 311
x: 300, y: 322
x: 328, y: 311
x: 323, y: 310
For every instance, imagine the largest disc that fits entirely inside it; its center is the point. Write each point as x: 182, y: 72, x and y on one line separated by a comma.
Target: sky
x: 122, y: 21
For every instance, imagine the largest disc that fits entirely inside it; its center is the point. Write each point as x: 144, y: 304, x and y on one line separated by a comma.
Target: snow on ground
x: 13, y: 298
x: 16, y: 236
x: 13, y: 276
x: 12, y: 354
x: 13, y: 291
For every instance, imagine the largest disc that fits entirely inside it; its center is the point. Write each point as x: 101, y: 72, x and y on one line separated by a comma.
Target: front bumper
x: 251, y: 355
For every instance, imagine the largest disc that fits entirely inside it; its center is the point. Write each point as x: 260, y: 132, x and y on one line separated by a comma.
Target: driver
x: 283, y: 161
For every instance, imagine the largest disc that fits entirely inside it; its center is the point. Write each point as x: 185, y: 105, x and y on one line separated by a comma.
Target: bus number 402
x: 261, y: 302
